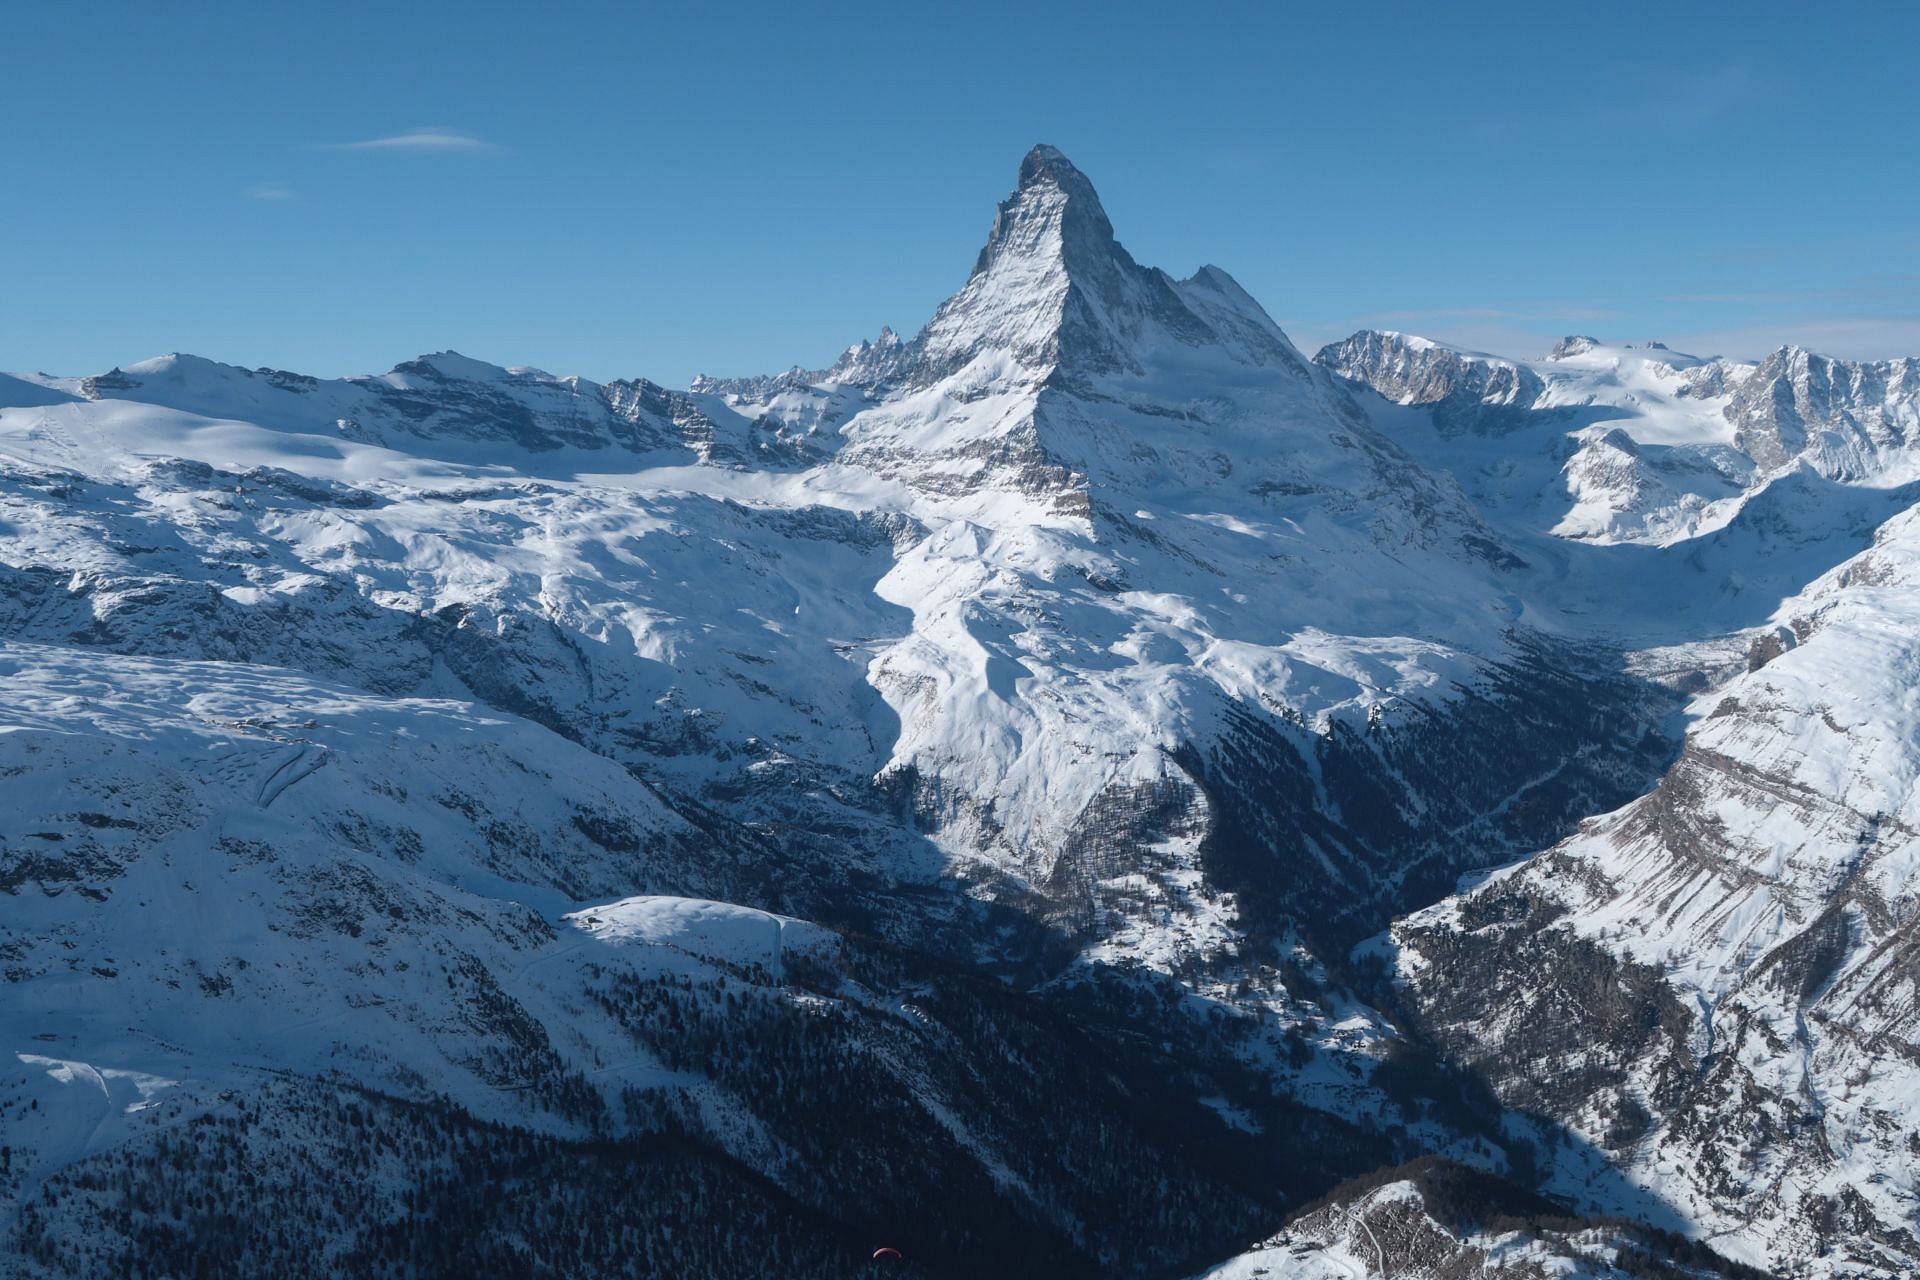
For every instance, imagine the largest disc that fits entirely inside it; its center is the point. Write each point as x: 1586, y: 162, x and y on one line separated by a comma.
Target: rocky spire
x: 1052, y: 288
x: 1054, y: 210
x: 1574, y: 344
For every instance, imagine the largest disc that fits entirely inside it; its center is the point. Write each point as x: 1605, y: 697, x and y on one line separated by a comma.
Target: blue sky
x: 634, y: 189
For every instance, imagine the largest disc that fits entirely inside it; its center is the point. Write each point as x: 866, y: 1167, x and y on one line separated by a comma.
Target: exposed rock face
x: 1053, y: 289
x: 1468, y: 393
x: 1844, y: 417
x: 1574, y: 344
x: 1727, y: 962
x: 1058, y: 324
x: 1635, y: 444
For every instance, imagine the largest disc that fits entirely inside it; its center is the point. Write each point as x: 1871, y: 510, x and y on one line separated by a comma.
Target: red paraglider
x: 888, y: 1252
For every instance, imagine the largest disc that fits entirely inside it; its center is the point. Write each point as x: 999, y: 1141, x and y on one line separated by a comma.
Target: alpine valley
x: 1086, y: 790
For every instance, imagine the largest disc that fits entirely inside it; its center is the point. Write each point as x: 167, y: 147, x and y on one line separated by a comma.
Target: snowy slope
x: 249, y: 883
x: 214, y: 867
x: 1441, y: 1222
x: 467, y: 407
x: 1610, y: 444
x: 1759, y: 908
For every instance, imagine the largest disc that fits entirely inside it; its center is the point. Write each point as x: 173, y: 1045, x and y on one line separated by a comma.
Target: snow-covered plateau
x: 1083, y: 790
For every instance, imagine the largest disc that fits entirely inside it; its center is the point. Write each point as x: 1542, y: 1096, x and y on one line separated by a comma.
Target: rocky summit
x: 1084, y: 790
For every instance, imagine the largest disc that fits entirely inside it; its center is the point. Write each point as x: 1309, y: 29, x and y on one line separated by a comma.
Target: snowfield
x: 712, y: 930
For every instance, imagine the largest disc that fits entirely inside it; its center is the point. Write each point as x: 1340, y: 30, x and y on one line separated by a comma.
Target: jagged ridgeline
x: 1004, y: 797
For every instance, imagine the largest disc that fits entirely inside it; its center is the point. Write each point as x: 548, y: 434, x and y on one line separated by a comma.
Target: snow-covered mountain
x: 936, y: 799
x: 1611, y: 444
x: 1430, y: 1220
x: 1715, y: 986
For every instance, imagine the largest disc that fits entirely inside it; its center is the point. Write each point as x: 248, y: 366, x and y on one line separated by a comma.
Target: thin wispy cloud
x: 269, y: 191
x: 1518, y: 335
x: 1665, y: 97
x: 1465, y: 327
x: 1896, y: 287
x: 1239, y: 160
x: 426, y: 138
x: 1849, y: 337
x: 1692, y: 98
x: 1522, y: 330
x: 1438, y: 313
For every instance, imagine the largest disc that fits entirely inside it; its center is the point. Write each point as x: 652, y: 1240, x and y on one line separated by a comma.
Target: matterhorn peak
x: 1053, y: 210
x: 1047, y: 164
x: 1055, y: 291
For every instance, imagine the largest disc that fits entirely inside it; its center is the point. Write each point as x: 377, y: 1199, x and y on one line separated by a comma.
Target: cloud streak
x: 426, y: 138
x: 1849, y: 337
x: 1664, y: 98
x: 269, y: 191
x: 1902, y: 288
